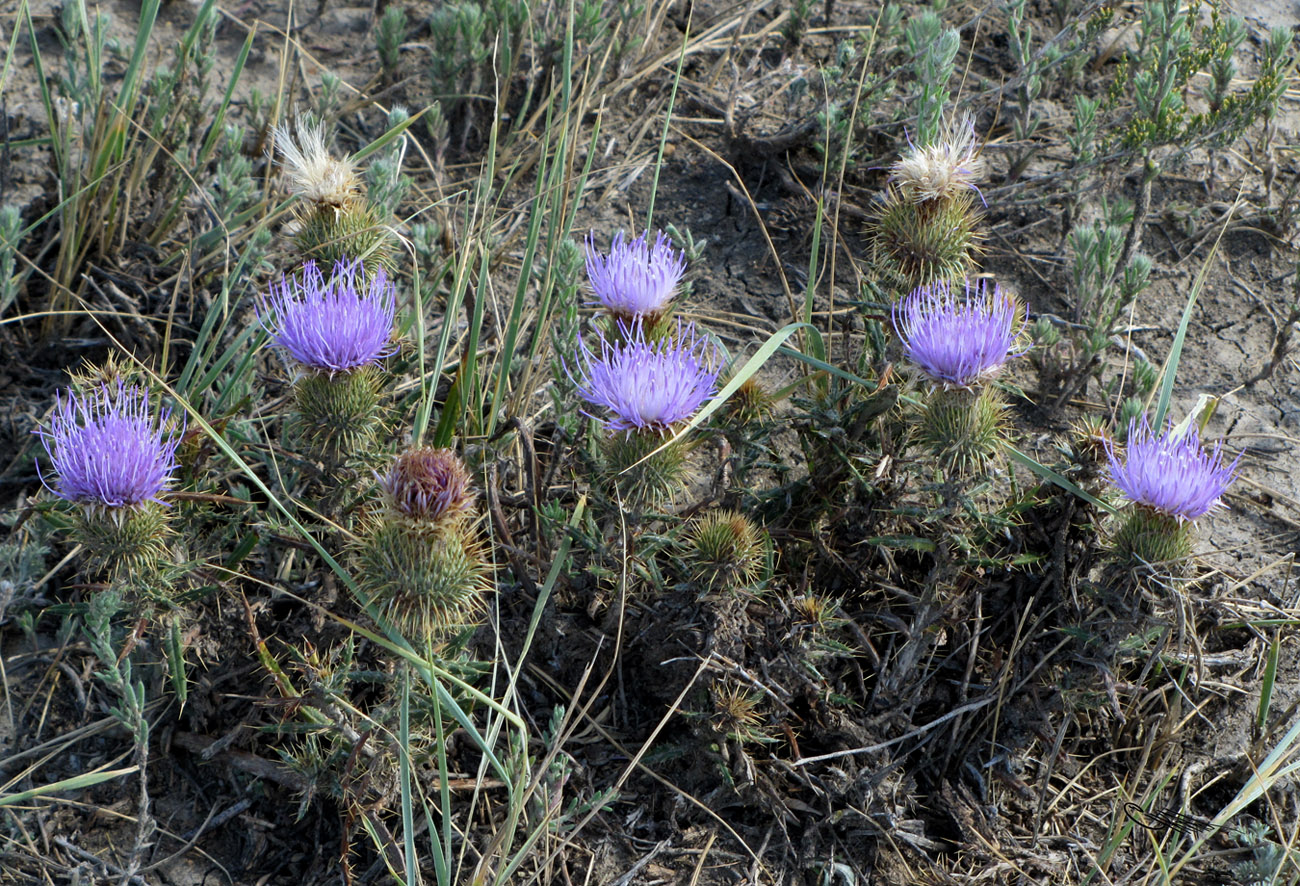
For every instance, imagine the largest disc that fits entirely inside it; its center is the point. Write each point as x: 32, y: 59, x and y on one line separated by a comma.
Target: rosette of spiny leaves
x: 335, y: 220
x: 419, y: 559
x: 926, y: 228
x: 724, y: 551
x: 336, y: 330
x: 112, y: 455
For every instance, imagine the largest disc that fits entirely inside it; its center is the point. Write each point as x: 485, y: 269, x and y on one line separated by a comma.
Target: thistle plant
x: 113, y: 457
x: 636, y: 281
x: 334, y: 219
x: 1172, y: 480
x: 959, y: 341
x: 646, y: 390
x: 418, y: 559
x: 926, y: 229
x: 336, y: 330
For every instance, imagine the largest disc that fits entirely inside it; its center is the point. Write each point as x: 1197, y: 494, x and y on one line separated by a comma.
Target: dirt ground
x: 986, y: 774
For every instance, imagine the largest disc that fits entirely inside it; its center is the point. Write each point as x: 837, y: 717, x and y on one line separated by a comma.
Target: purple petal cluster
x: 649, y: 385
x: 108, y: 448
x: 958, y: 339
x: 1171, y: 472
x: 427, y: 484
x: 334, y: 325
x: 635, y: 279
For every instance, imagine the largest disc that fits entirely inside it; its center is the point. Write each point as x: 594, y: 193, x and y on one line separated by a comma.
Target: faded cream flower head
x: 314, y: 173
x: 942, y: 169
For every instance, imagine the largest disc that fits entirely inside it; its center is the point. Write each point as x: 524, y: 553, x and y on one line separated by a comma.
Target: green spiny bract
x: 751, y: 404
x: 725, y: 551
x: 419, y: 559
x: 130, y: 545
x: 963, y: 429
x: 338, y: 414
x: 639, y: 475
x: 914, y: 244
x: 737, y: 714
x: 1148, y: 536
x: 428, y: 580
x: 353, y: 232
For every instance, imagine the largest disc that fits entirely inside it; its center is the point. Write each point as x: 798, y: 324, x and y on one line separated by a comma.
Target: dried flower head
x: 959, y: 339
x: 649, y: 385
x: 429, y: 485
x: 109, y: 449
x: 334, y: 325
x: 314, y: 173
x: 1171, y: 473
x: 635, y: 279
x: 943, y: 169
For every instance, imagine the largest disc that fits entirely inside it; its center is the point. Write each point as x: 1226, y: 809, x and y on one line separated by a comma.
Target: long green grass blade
x: 1056, y: 479
x: 1169, y: 371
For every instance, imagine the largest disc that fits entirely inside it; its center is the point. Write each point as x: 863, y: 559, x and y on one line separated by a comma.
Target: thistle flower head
x: 108, y: 448
x: 635, y: 279
x: 314, y: 173
x: 1171, y: 473
x: 942, y: 169
x: 334, y: 325
x: 958, y: 339
x: 649, y: 385
x: 429, y: 485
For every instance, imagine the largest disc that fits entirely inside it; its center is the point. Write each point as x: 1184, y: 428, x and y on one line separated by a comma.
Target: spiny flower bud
x: 1173, y: 481
x: 725, y: 551
x: 751, y: 404
x: 1089, y: 443
x: 418, y: 559
x: 737, y: 714
x: 114, y: 457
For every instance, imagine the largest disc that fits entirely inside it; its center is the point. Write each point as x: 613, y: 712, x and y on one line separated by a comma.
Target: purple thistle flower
x: 635, y: 279
x: 109, y: 449
x: 649, y: 384
x: 959, y: 339
x: 334, y: 325
x: 1171, y: 473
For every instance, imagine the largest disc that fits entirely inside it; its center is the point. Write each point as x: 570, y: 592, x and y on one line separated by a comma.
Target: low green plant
x: 390, y: 32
